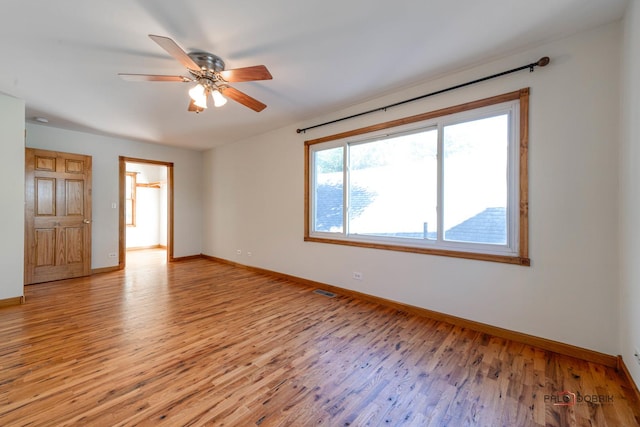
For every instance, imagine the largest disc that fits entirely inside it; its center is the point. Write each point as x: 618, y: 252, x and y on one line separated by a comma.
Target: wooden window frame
x: 134, y: 185
x: 522, y: 257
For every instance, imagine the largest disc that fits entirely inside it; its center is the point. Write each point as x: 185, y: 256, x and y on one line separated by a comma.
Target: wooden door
x: 57, y: 216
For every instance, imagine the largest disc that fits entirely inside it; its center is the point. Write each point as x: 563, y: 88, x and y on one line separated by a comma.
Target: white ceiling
x: 62, y: 57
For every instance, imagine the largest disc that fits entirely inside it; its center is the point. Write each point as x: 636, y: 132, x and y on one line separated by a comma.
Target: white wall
x: 151, y: 207
x: 146, y: 232
x: 12, y: 200
x: 630, y: 193
x: 253, y: 201
x: 105, y: 152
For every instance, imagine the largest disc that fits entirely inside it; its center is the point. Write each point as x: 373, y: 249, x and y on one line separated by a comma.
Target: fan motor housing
x: 208, y: 62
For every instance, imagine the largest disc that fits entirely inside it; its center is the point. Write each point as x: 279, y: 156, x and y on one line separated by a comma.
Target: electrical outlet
x: 636, y: 354
x: 113, y: 255
x: 238, y: 252
x: 357, y: 275
x: 248, y: 253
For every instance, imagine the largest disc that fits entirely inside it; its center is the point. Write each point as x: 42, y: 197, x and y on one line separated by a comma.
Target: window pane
x: 393, y: 186
x: 328, y: 191
x: 475, y: 180
x: 445, y: 184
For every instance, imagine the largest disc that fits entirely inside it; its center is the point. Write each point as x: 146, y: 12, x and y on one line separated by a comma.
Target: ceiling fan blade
x: 176, y: 51
x: 246, y: 74
x: 193, y: 107
x: 152, y: 78
x: 243, y: 98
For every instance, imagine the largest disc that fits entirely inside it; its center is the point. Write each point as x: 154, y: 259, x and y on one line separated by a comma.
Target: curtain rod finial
x: 544, y: 61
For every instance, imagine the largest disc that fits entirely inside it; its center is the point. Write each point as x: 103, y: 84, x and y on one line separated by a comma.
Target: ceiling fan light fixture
x: 197, y: 92
x: 201, y: 102
x: 199, y: 95
x: 208, y: 72
x: 218, y: 99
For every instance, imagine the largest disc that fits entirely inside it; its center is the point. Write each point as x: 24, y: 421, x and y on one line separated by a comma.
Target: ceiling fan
x: 207, y: 70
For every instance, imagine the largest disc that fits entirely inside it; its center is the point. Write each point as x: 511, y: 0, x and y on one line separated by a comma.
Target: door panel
x: 75, y: 197
x: 45, y: 247
x: 45, y: 163
x: 57, y: 216
x: 45, y: 196
x: 74, y: 166
x: 74, y: 243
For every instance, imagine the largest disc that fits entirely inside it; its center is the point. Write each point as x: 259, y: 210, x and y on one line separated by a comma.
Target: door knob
x: 86, y: 221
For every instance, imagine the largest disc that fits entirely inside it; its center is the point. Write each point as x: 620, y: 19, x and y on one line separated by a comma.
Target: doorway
x: 146, y: 211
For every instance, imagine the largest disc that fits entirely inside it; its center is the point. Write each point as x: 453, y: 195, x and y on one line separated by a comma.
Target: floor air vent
x: 325, y: 293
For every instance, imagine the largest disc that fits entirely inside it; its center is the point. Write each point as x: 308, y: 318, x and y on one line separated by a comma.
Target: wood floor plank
x: 200, y: 343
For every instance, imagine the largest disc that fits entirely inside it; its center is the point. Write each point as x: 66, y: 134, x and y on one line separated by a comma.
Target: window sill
x: 507, y: 259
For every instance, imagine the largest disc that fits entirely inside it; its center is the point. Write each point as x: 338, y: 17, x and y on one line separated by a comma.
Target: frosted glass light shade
x: 218, y: 99
x: 199, y: 95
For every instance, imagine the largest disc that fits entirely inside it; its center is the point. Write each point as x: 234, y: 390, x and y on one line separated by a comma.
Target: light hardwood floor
x: 203, y: 343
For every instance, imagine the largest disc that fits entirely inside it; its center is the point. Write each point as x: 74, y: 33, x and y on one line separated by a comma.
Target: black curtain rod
x: 540, y: 63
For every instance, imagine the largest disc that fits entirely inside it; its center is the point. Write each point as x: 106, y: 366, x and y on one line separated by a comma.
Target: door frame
x: 122, y: 228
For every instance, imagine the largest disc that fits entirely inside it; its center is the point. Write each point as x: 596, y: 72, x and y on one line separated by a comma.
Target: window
x: 130, y: 199
x: 450, y: 182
